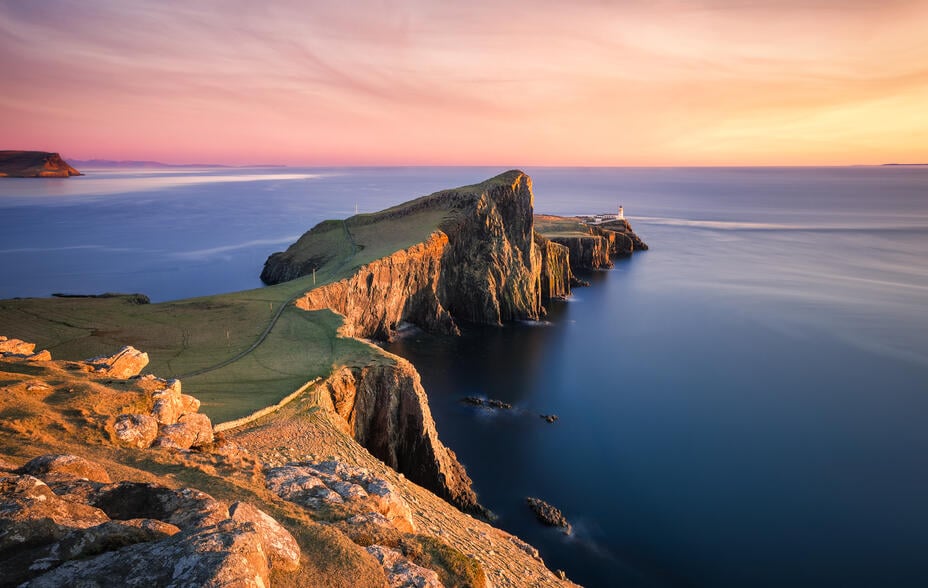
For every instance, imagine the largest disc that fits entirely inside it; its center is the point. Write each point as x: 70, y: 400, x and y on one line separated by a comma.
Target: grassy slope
x: 560, y: 226
x: 188, y: 335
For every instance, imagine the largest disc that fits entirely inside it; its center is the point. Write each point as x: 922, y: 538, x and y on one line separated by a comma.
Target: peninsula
x: 291, y: 408
x: 34, y: 164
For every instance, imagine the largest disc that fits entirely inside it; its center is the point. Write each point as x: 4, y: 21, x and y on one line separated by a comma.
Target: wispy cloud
x: 420, y: 81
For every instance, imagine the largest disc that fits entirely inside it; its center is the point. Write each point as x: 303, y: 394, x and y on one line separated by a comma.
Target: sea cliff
x: 34, y: 164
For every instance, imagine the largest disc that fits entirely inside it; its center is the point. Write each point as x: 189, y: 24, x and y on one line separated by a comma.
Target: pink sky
x: 502, y: 82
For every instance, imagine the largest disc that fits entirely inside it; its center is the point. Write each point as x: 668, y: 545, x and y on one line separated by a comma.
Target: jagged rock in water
x: 317, y: 484
x: 385, y: 408
x: 125, y: 363
x: 402, y: 573
x: 136, y: 430
x: 548, y: 514
x: 65, y: 468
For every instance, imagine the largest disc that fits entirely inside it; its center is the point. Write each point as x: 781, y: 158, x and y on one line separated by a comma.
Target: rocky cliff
x: 386, y: 410
x: 34, y: 164
x: 482, y: 263
x: 401, y: 287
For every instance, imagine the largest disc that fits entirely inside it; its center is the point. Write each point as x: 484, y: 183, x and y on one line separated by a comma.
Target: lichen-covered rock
x: 282, y: 549
x: 16, y: 347
x: 64, y: 468
x: 315, y: 484
x: 111, y: 535
x: 191, y: 430
x: 136, y: 430
x: 402, y: 573
x: 187, y: 508
x: 31, y: 514
x: 227, y: 554
x: 125, y: 363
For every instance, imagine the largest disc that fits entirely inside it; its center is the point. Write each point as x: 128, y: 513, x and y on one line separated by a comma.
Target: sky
x: 482, y: 82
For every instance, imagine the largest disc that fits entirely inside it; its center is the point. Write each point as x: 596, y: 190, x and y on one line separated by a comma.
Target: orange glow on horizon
x: 507, y: 82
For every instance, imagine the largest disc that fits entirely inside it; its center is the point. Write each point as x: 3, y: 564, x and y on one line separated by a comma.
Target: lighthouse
x: 621, y: 215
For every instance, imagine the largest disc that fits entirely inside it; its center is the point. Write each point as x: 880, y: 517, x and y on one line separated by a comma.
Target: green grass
x: 560, y: 226
x: 188, y: 335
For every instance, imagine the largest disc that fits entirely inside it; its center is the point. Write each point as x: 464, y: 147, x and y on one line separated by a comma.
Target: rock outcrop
x: 129, y: 533
x: 34, y: 164
x: 385, y: 408
x: 556, y: 275
x: 402, y: 573
x: 125, y: 363
x: 587, y: 252
x: 172, y: 423
x: 355, y: 493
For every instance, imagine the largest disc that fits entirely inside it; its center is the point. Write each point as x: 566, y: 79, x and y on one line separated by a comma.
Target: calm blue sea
x: 745, y: 405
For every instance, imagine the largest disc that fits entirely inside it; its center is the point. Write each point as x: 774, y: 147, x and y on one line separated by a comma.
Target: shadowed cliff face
x: 491, y: 269
x: 385, y: 408
x: 34, y: 164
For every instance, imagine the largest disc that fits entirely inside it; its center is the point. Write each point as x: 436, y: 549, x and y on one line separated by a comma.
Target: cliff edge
x: 34, y: 164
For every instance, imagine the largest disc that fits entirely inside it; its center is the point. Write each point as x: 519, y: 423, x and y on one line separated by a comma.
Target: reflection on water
x: 743, y: 405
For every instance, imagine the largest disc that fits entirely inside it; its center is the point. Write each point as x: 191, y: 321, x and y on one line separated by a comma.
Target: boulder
x: 191, y: 430
x: 402, y: 573
x: 31, y: 514
x: 282, y: 549
x: 64, y: 468
x: 136, y: 430
x: 43, y: 355
x: 315, y: 484
x: 16, y: 347
x: 125, y: 363
x: 112, y: 535
x: 227, y: 554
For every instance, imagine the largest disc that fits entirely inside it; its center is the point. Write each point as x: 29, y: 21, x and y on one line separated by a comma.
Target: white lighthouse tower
x: 621, y: 215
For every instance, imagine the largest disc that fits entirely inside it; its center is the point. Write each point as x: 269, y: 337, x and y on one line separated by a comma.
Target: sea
x: 743, y: 405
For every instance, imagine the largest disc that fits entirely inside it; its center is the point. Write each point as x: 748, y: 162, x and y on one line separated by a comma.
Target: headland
x: 34, y: 164
x: 354, y: 415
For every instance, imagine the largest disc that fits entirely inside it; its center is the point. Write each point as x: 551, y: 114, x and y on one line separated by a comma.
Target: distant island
x: 905, y: 164
x: 34, y: 164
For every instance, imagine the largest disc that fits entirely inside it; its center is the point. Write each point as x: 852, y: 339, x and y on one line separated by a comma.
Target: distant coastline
x: 132, y: 164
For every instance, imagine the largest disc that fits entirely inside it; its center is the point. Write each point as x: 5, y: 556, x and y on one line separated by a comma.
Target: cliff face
x: 587, y: 252
x: 34, y: 164
x: 491, y: 269
x: 381, y: 294
x: 556, y: 276
x: 386, y: 410
x: 483, y: 264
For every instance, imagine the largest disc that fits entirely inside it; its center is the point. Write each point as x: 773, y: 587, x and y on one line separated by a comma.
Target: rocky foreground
x: 34, y: 164
x: 112, y: 478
